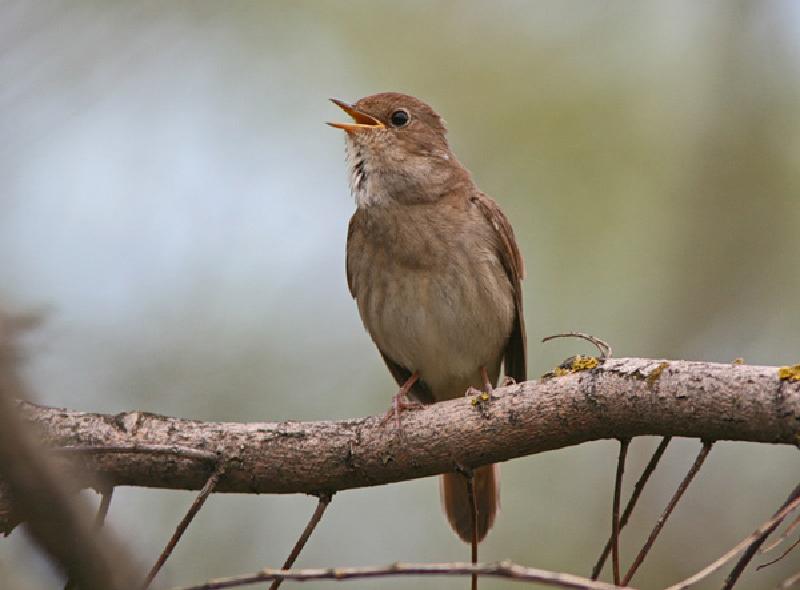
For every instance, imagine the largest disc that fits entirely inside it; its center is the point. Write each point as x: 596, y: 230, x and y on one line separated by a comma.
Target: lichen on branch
x: 617, y: 398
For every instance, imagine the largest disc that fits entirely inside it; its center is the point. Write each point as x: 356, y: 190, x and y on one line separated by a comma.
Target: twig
x: 473, y: 508
x: 712, y: 567
x: 789, y: 582
x: 503, y: 569
x: 603, y: 346
x: 211, y: 483
x: 756, y: 544
x: 469, y: 479
x: 623, y: 452
x: 324, y: 500
x: 637, y: 491
x: 99, y: 521
x: 698, y: 462
x: 105, y: 504
x: 782, y: 555
x: 784, y: 535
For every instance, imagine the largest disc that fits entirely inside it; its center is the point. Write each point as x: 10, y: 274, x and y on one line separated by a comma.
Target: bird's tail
x: 455, y: 499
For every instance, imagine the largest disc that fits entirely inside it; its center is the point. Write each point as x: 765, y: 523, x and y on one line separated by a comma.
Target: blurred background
x: 172, y: 202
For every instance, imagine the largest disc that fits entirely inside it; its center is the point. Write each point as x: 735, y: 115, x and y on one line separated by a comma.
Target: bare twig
x: 503, y: 569
x: 623, y: 452
x: 603, y: 346
x: 698, y: 462
x: 211, y: 483
x: 781, y: 556
x: 473, y: 508
x: 784, y: 535
x: 756, y: 544
x: 637, y: 491
x: 748, y: 541
x: 99, y: 521
x: 790, y: 582
x: 322, y: 505
x: 469, y: 481
x: 105, y: 504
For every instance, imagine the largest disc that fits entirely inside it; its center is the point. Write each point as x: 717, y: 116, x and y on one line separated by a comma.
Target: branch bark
x: 619, y: 398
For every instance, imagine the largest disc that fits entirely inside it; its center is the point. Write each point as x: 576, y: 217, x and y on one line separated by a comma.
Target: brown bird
x: 435, y: 270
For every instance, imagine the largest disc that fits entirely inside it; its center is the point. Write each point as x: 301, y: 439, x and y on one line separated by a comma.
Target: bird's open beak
x: 362, y: 120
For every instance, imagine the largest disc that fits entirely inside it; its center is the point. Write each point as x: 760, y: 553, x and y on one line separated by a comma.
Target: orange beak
x: 362, y: 120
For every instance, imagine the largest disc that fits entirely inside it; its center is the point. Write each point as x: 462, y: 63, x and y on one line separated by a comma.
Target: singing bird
x: 435, y: 271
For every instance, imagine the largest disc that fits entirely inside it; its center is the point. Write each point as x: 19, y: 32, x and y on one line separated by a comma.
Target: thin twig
x: 784, y: 535
x: 698, y: 462
x: 473, y: 509
x: 623, y: 452
x: 324, y: 500
x: 782, y: 555
x: 99, y: 521
x: 603, y: 346
x: 105, y: 504
x: 712, y: 567
x: 503, y: 569
x: 211, y: 483
x: 789, y: 582
x: 637, y: 491
x: 756, y: 544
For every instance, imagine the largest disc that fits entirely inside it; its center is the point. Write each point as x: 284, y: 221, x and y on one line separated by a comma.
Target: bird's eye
x: 399, y: 118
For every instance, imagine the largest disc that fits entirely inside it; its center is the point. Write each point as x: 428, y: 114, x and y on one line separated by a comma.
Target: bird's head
x: 397, y: 150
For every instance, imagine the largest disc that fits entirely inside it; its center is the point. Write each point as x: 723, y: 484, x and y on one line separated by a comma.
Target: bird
x: 435, y: 270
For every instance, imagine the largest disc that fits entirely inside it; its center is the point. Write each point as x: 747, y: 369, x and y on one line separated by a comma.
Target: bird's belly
x: 445, y: 323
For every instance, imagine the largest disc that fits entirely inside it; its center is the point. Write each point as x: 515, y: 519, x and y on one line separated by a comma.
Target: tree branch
x: 617, y: 398
x: 503, y: 569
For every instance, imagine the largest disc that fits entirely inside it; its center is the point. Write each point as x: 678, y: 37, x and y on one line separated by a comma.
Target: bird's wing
x: 515, y: 355
x: 352, y: 237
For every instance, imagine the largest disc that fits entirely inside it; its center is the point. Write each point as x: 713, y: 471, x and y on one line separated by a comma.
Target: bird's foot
x: 401, y: 402
x: 472, y: 391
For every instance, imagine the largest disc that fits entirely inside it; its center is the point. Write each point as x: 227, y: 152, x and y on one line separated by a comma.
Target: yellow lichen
x: 789, y: 373
x: 481, y: 398
x: 655, y: 374
x: 738, y: 361
x: 574, y: 365
x: 584, y: 363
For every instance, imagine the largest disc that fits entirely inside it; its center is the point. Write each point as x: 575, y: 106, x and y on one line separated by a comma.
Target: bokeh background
x: 172, y: 203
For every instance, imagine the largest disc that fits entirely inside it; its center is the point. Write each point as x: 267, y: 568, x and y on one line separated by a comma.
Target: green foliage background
x: 170, y: 197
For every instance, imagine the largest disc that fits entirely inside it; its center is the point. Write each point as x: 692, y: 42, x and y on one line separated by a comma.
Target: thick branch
x: 618, y: 399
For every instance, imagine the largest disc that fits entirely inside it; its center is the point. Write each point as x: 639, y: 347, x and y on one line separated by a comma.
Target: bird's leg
x: 487, y: 383
x: 401, y: 401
